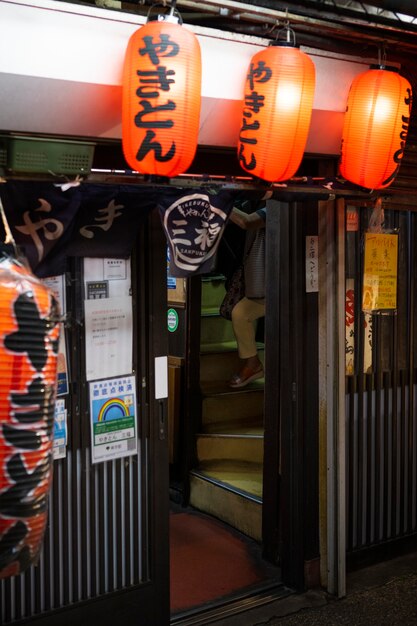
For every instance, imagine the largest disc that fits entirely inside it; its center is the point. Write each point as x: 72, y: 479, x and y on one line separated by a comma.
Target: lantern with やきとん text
x: 161, y: 98
x: 29, y: 334
x: 375, y: 127
x: 278, y: 102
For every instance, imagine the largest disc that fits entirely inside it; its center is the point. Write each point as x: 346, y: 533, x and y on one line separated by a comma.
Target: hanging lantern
x: 29, y: 335
x: 375, y: 127
x: 161, y: 97
x: 278, y: 103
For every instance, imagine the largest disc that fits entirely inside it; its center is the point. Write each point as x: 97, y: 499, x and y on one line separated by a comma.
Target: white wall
x: 61, y: 71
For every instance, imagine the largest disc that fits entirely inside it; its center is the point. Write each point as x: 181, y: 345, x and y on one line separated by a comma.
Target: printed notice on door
x: 60, y: 430
x: 380, y: 272
x: 108, y: 337
x: 113, y: 419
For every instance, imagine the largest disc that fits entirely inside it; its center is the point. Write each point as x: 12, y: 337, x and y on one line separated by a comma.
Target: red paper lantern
x: 161, y: 98
x: 29, y: 335
x: 277, y: 109
x: 375, y: 127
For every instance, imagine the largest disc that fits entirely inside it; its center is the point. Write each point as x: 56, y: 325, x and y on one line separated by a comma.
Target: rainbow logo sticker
x: 113, y: 409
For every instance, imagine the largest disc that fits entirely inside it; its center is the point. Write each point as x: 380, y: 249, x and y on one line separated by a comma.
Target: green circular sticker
x: 172, y: 320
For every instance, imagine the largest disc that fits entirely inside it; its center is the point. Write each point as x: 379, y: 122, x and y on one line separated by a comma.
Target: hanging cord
x: 287, y: 31
x: 9, y: 240
x: 382, y: 55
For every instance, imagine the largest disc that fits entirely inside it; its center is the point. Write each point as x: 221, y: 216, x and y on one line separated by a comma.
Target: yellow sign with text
x: 380, y: 272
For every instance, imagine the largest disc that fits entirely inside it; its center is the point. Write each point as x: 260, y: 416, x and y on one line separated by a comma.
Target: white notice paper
x: 161, y: 377
x: 115, y: 269
x: 108, y: 337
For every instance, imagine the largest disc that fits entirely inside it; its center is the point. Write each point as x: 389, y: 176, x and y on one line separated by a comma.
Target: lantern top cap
x: 285, y: 36
x: 380, y: 66
x: 173, y: 17
x: 284, y: 44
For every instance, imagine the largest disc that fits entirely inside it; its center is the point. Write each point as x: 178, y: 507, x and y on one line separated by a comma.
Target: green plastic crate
x: 41, y: 156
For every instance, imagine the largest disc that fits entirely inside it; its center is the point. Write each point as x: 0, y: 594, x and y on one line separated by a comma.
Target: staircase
x: 227, y: 482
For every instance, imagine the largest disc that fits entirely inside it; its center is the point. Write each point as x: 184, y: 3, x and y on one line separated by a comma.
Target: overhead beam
x: 405, y: 7
x: 330, y: 21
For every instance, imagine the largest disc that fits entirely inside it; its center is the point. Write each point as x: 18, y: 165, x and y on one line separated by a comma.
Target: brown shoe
x: 245, y: 376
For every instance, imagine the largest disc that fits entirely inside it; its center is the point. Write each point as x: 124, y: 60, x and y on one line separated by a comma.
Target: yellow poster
x: 380, y: 272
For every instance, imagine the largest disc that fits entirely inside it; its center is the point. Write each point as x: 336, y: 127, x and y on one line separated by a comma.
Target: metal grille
x: 92, y: 544
x: 96, y: 534
x: 381, y: 415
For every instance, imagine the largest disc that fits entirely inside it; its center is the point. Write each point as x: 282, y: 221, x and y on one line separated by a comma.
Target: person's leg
x: 244, y: 315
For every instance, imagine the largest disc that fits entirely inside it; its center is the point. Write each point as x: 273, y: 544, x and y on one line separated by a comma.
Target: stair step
x: 218, y: 346
x: 250, y: 426
x: 217, y: 490
x: 220, y: 366
x: 233, y: 407
x: 222, y: 388
x: 210, y: 311
x: 243, y: 476
x: 212, y: 293
x: 237, y: 447
x: 228, y: 481
x: 222, y: 346
x: 215, y: 329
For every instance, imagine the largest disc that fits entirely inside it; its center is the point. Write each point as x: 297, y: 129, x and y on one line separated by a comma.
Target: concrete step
x: 231, y: 492
x: 231, y: 446
x: 220, y: 366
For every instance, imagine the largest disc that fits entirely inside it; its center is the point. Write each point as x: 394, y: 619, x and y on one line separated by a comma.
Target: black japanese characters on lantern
x: 251, y: 122
x: 29, y: 334
x: 278, y: 102
x: 161, y: 98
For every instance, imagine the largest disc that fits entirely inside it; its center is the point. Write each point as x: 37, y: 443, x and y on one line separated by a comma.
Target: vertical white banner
x: 312, y: 264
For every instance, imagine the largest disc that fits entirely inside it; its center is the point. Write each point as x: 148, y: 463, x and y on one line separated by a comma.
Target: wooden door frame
x: 290, y: 482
